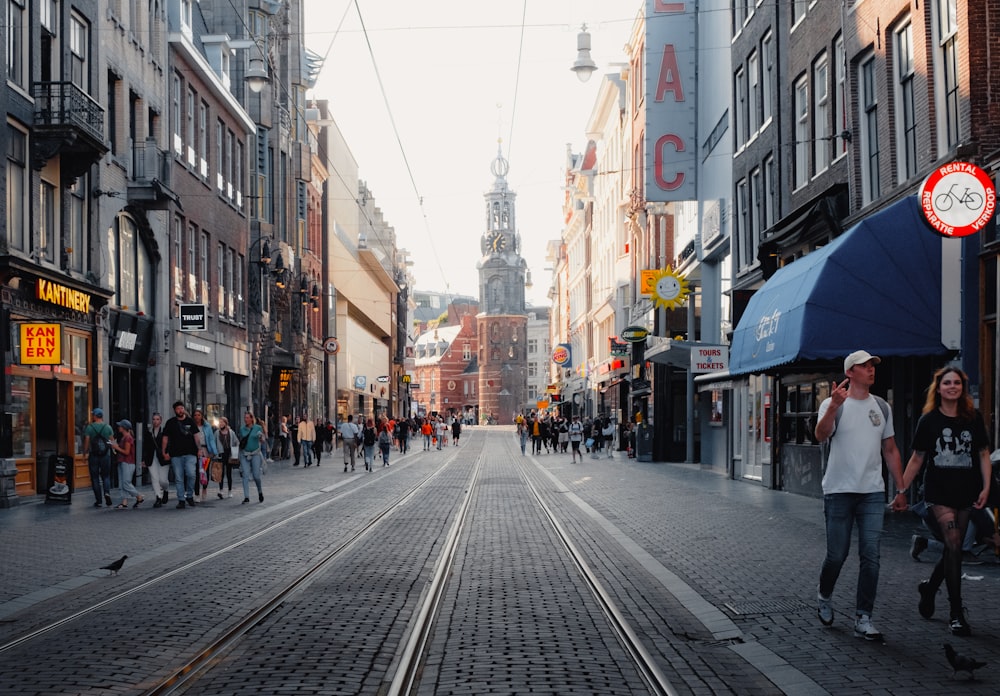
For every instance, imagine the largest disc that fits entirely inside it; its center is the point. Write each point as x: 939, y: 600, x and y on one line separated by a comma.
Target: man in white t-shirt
x: 349, y: 431
x: 853, y: 490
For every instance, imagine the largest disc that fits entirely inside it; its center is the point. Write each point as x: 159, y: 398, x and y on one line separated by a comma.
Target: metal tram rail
x: 406, y: 666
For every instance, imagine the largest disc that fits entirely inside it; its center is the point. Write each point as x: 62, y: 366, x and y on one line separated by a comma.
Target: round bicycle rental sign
x: 958, y: 199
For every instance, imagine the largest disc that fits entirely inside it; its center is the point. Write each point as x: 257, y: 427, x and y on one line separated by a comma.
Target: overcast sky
x: 449, y: 70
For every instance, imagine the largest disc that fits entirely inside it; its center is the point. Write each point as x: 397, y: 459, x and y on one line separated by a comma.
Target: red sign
x: 958, y: 199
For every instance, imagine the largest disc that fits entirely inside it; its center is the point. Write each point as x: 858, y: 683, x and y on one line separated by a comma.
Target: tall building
x: 503, y: 319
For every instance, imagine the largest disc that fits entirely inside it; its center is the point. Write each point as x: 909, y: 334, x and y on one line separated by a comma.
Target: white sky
x: 445, y: 66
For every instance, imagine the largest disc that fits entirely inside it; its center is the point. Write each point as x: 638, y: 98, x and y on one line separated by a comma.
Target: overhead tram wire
x: 402, y: 150
x: 517, y: 79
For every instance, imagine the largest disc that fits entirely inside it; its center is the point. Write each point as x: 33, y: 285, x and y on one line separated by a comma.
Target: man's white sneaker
x: 824, y: 609
x: 863, y: 628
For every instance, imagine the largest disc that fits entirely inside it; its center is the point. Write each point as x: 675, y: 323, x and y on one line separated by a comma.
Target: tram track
x: 460, y: 515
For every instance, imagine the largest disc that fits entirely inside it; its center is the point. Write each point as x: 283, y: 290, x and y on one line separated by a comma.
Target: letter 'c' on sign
x: 678, y: 180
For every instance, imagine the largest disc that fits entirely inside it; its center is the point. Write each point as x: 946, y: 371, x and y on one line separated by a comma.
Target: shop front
x: 876, y: 287
x: 50, y: 384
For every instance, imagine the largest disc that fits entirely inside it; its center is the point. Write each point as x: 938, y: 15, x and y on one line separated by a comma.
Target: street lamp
x: 256, y: 75
x: 584, y: 65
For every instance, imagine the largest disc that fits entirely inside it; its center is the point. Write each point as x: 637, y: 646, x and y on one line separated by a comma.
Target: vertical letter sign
x: 669, y: 91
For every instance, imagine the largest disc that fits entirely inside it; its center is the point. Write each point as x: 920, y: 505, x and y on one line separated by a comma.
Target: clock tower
x: 503, y: 319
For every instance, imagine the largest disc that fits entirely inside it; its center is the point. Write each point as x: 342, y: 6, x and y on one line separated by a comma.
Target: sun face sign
x: 670, y: 290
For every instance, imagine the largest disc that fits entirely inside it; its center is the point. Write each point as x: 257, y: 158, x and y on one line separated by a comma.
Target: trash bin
x: 60, y: 480
x: 643, y: 442
x: 43, y: 464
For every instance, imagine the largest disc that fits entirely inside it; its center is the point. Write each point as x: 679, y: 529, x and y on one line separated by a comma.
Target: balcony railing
x: 149, y: 162
x: 65, y: 104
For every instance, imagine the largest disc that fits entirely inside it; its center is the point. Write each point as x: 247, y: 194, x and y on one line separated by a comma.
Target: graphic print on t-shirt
x: 953, y: 452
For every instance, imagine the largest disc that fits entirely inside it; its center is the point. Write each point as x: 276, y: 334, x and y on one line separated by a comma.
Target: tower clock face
x: 497, y: 241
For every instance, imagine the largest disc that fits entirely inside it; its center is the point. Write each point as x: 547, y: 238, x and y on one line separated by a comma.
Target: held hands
x: 899, y: 503
x: 981, y: 500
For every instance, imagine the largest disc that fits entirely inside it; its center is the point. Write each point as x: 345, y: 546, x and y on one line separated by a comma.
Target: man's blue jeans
x: 100, y: 474
x: 185, y: 468
x: 307, y: 452
x: 842, y: 510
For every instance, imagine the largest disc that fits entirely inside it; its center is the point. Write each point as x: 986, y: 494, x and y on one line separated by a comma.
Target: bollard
x: 8, y: 487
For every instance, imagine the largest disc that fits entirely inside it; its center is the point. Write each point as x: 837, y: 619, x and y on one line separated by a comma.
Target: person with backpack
x: 860, y: 429
x: 96, y: 438
x: 385, y: 444
x: 369, y: 437
x: 349, y: 433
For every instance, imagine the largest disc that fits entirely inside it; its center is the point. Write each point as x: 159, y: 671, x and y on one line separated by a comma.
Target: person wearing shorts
x: 576, y: 437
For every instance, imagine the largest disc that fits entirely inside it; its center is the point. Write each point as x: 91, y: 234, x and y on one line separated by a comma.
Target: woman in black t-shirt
x: 951, y: 447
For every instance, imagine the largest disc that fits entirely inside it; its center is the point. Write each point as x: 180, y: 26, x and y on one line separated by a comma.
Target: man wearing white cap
x: 853, y: 489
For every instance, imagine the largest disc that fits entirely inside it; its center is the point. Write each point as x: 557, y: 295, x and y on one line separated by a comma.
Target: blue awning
x: 876, y: 287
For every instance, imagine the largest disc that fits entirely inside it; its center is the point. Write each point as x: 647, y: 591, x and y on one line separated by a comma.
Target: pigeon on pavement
x: 961, y: 663
x: 115, y: 566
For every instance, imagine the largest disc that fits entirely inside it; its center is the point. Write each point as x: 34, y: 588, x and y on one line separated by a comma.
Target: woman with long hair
x: 951, y: 447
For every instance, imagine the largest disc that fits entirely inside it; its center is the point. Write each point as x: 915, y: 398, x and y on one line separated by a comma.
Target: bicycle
x: 970, y: 199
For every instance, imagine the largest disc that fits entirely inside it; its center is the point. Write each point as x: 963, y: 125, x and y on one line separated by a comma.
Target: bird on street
x: 115, y: 566
x: 961, y: 663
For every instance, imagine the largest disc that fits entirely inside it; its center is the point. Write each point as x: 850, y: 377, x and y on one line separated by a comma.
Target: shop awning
x: 668, y: 351
x: 877, y: 287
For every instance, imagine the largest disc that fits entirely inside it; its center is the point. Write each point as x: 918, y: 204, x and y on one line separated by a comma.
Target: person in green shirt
x: 96, y: 438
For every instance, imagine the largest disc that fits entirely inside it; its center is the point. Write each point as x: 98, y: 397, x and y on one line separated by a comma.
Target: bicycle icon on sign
x: 970, y: 199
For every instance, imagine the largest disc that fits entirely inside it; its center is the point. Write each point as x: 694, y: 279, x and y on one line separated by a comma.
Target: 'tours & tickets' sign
x: 958, y: 199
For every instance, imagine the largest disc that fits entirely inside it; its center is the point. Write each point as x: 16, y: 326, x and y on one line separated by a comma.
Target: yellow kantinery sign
x: 41, y: 344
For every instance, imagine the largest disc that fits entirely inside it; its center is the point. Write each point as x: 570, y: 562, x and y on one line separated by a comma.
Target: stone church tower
x: 503, y: 319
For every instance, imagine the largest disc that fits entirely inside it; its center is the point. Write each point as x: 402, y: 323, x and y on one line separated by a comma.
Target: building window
x: 906, y: 120
x: 756, y: 112
x: 203, y: 140
x: 175, y: 114
x: 192, y: 267
x: 132, y: 273
x: 466, y: 352
x: 821, y: 113
x: 177, y: 267
x: 532, y: 369
x: 742, y: 224
x: 756, y: 206
x: 868, y: 119
x: 768, y: 78
x: 946, y: 72
x: 17, y: 43
x: 48, y: 223
x: 221, y: 284
x: 770, y: 193
x: 17, y: 188
x: 220, y: 159
x: 532, y: 346
x: 204, y: 261
x: 240, y: 309
x: 801, y: 92
x: 75, y: 246
x: 799, y: 8
x: 839, y: 97
x: 79, y: 45
x: 740, y: 120
x: 192, y: 99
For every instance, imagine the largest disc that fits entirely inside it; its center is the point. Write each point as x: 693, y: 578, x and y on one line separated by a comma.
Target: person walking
x: 369, y: 437
x: 227, y: 445
x: 251, y: 444
x: 860, y: 429
x: 426, y: 429
x: 522, y: 433
x: 385, y: 444
x: 608, y: 435
x: 124, y: 447
x: 152, y: 459
x: 349, y: 432
x: 321, y: 434
x: 284, y: 439
x: 575, y: 438
x: 456, y: 430
x: 96, y: 443
x: 181, y: 451
x: 951, y: 448
x: 306, y: 434
x: 204, y: 438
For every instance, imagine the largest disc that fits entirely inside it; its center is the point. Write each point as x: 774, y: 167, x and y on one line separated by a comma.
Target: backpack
x: 369, y: 436
x: 383, y: 439
x: 99, y: 442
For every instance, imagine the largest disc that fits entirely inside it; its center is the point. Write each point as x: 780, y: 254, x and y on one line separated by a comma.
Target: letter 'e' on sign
x: 41, y: 344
